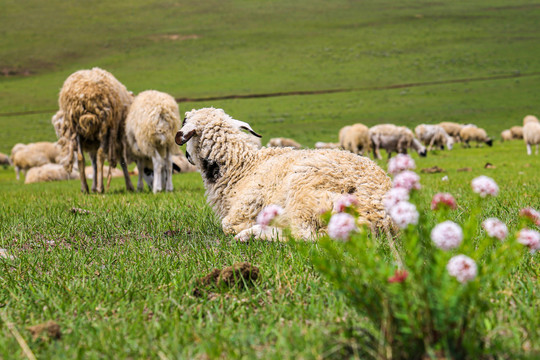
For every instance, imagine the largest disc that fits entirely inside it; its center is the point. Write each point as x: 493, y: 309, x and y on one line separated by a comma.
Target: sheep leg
x: 168, y: 171
x: 94, y: 170
x: 376, y: 152
x: 100, y: 162
x: 140, y: 181
x: 17, y: 172
x: 80, y: 163
x: 157, y: 162
x: 269, y: 233
x: 529, y: 151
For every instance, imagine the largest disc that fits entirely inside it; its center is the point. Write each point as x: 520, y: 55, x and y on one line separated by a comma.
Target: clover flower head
x: 447, y: 235
x: 529, y: 238
x: 394, y: 196
x: 484, y: 185
x: 400, y: 163
x: 341, y: 225
x: 531, y: 214
x: 495, y: 228
x: 403, y: 214
x: 407, y: 180
x: 268, y: 214
x: 443, y: 200
x: 345, y: 201
x: 462, y: 267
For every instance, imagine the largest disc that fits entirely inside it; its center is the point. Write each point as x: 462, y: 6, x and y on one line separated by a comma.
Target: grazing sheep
x: 531, y: 135
x: 517, y: 132
x: 24, y: 157
x: 4, y: 160
x: 283, y: 142
x: 326, y: 145
x: 529, y: 118
x: 434, y: 135
x: 151, y: 123
x: 394, y: 138
x: 355, y: 138
x: 241, y: 180
x: 473, y: 133
x: 49, y: 172
x: 94, y: 105
x: 452, y: 129
x: 506, y: 135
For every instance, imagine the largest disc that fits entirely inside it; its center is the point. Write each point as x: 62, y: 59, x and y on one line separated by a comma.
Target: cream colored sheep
x: 115, y: 173
x: 531, y: 135
x: 49, y: 172
x: 452, y: 129
x: 241, y: 180
x: 283, y: 142
x: 355, y: 138
x: 326, y: 145
x: 94, y: 105
x: 506, y: 135
x: 182, y: 165
x: 529, y: 118
x: 472, y: 133
x: 24, y: 157
x: 4, y: 160
x: 394, y: 138
x: 517, y: 132
x: 434, y: 135
x: 151, y: 123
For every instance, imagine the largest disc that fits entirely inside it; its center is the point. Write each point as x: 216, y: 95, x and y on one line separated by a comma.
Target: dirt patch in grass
x: 10, y: 71
x: 48, y: 330
x: 237, y: 275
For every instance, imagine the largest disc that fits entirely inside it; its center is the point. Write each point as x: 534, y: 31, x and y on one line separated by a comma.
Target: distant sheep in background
x: 241, y: 180
x: 452, y: 129
x: 434, y: 135
x: 4, y: 160
x: 24, y: 157
x: 529, y: 118
x: 283, y: 142
x: 151, y: 124
x: 49, y: 172
x: 326, y: 145
x: 472, y: 133
x: 93, y: 109
x: 531, y: 133
x: 182, y: 165
x: 355, y: 138
x: 394, y: 138
x: 517, y: 132
x: 506, y: 135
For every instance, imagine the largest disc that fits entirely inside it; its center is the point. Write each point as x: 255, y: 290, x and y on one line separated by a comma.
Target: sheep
x: 94, y: 105
x: 517, y: 132
x: 506, y: 135
x: 151, y: 121
x: 531, y: 135
x: 49, y: 172
x: 24, y: 157
x: 241, y: 180
x: 529, y: 118
x: 472, y: 133
x: 181, y: 164
x: 434, y: 135
x: 452, y: 129
x: 394, y: 138
x: 89, y: 172
x: 4, y: 160
x: 283, y: 142
x: 326, y: 145
x: 355, y: 138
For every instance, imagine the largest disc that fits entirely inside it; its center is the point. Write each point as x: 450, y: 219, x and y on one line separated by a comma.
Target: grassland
x: 118, y: 280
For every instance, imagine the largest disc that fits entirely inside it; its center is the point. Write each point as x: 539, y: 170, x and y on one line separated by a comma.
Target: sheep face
x: 449, y: 142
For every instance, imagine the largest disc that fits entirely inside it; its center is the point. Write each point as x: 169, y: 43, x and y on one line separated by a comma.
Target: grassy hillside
x: 119, y: 279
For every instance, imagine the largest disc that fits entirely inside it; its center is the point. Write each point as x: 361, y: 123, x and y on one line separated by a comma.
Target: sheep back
x: 49, y: 172
x: 531, y: 133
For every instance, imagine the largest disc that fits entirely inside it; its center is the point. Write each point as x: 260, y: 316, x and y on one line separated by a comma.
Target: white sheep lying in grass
x: 326, y: 145
x: 241, y: 180
x: 283, y: 142
x: 151, y: 123
x: 531, y: 133
x: 355, y: 138
x: 434, y: 135
x: 49, y: 172
x: 394, y: 138
x: 24, y: 157
x: 472, y: 133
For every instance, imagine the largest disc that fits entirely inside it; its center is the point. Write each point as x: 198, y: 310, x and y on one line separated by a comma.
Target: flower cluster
x: 495, y: 228
x: 529, y: 238
x: 443, y: 200
x: 394, y: 196
x: 341, y: 225
x: 447, y: 235
x: 403, y: 214
x: 462, y: 267
x: 530, y: 214
x: 268, y: 214
x: 344, y: 202
x: 400, y: 163
x: 484, y: 186
x: 407, y: 180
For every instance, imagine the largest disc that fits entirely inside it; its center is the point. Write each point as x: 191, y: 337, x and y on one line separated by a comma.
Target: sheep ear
x: 245, y: 126
x: 182, y: 138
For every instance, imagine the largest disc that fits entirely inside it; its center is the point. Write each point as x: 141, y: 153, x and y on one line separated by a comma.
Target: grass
x: 120, y: 286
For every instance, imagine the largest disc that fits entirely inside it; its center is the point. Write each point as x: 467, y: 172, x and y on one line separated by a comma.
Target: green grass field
x: 119, y: 280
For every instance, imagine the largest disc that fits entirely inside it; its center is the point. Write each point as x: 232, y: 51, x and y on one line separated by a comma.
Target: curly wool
x: 241, y: 180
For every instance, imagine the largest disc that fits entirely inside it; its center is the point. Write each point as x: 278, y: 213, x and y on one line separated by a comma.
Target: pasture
x: 119, y: 278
